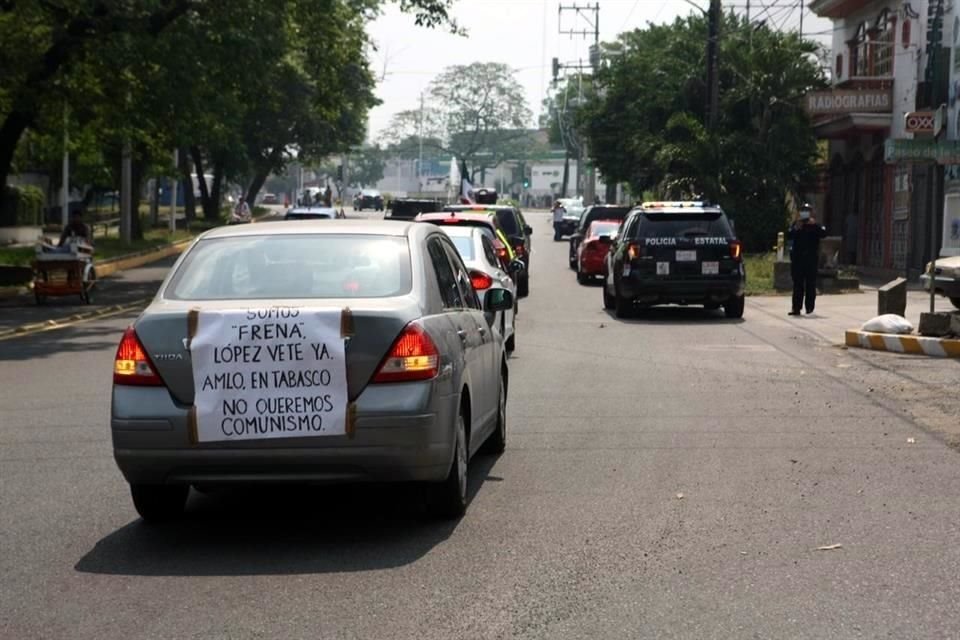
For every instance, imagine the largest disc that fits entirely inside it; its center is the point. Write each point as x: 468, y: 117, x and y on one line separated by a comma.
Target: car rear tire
x: 582, y: 278
x: 448, y: 499
x: 955, y: 302
x: 608, y: 301
x: 734, y: 308
x: 497, y: 442
x: 511, y: 344
x: 159, y: 502
x: 523, y: 286
x: 622, y: 307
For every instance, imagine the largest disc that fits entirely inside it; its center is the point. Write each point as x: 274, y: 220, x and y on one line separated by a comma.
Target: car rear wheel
x: 497, y: 442
x: 449, y: 498
x: 608, y: 301
x: 734, y: 308
x: 523, y: 286
x: 621, y: 306
x: 955, y: 302
x: 159, y: 502
x: 582, y: 278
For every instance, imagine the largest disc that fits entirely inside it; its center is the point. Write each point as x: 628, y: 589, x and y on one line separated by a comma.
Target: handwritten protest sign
x: 269, y: 372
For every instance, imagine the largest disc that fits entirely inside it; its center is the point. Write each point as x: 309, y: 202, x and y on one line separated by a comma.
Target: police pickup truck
x: 675, y: 253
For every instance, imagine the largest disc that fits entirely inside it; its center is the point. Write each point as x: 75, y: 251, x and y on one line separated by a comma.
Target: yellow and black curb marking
x: 937, y: 347
x: 77, y: 318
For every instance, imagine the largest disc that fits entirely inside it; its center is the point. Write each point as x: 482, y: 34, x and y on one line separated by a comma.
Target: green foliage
x: 645, y: 125
x: 21, y: 206
x: 474, y: 112
x: 366, y: 167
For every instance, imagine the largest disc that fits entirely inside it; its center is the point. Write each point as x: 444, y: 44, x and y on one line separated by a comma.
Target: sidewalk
x: 123, y: 288
x: 836, y: 313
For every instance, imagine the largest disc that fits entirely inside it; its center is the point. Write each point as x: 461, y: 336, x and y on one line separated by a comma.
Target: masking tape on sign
x: 193, y: 322
x: 346, y: 323
x: 351, y: 426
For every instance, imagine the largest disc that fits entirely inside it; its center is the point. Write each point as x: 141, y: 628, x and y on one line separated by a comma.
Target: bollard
x: 780, y: 247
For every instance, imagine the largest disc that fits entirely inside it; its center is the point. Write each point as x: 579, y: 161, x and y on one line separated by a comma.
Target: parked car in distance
x: 410, y: 208
x: 518, y: 232
x: 591, y: 214
x: 425, y: 375
x: 476, y: 247
x: 572, y: 212
x: 368, y: 199
x: 675, y: 253
x: 269, y: 198
x: 311, y: 213
x: 946, y: 278
x: 594, y: 248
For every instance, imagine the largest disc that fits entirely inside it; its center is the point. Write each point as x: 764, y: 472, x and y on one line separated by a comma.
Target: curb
x: 114, y: 265
x: 937, y: 347
x: 49, y: 325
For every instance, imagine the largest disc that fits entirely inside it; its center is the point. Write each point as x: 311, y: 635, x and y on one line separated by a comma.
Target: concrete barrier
x: 938, y: 347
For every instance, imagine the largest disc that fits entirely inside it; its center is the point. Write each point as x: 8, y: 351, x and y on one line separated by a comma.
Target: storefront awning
x: 851, y: 124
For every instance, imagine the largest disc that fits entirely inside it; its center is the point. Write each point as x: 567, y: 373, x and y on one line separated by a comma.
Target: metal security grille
x: 901, y: 244
x: 873, y: 215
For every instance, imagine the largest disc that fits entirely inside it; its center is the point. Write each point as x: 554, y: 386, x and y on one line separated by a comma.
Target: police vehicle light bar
x: 674, y: 205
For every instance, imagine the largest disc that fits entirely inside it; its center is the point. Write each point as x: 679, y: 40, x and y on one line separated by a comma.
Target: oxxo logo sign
x: 918, y: 122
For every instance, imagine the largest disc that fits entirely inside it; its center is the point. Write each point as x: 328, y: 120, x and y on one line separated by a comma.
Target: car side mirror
x: 515, y: 240
x: 528, y: 229
x: 516, y: 266
x: 497, y: 300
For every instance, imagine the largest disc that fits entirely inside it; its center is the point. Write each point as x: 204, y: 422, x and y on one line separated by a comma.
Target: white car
x: 947, y: 278
x: 476, y: 247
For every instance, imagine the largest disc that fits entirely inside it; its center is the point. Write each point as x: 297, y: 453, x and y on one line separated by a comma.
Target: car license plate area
x: 710, y: 268
x: 686, y: 256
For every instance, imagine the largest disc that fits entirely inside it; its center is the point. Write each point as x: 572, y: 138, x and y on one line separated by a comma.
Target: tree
x: 471, y: 110
x: 365, y: 167
x: 646, y: 124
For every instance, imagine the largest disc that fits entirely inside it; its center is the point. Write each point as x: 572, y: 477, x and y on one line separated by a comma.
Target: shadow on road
x: 282, y: 531
x: 676, y: 315
x: 80, y: 338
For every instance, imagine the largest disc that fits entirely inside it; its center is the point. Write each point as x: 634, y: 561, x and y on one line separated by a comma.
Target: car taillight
x: 520, y: 249
x: 480, y: 280
x: 132, y: 366
x: 634, y: 251
x: 502, y: 252
x: 736, y: 249
x: 413, y: 356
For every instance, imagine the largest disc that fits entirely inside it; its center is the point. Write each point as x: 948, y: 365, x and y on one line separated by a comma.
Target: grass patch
x: 760, y: 274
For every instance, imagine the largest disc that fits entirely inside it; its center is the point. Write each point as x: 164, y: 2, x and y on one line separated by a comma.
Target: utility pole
x: 173, y: 190
x: 65, y: 170
x: 713, y: 66
x: 801, y: 19
x: 420, y: 157
x: 584, y: 13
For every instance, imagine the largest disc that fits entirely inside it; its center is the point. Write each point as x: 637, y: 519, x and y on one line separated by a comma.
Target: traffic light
x: 526, y: 183
x: 556, y: 69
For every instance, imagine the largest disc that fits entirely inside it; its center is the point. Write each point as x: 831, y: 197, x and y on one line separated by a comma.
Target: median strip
x: 77, y: 318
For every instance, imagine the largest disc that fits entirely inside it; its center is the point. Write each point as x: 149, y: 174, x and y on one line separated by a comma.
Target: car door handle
x: 482, y: 330
x: 463, y: 336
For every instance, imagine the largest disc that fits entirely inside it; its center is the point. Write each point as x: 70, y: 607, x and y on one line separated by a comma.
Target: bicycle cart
x: 64, y: 271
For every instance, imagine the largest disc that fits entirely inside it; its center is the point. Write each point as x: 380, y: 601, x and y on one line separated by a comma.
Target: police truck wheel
x: 582, y: 278
x: 734, y: 308
x: 608, y: 302
x: 622, y: 307
x: 159, y: 502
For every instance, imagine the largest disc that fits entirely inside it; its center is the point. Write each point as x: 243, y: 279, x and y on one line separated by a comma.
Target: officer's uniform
x: 804, y: 261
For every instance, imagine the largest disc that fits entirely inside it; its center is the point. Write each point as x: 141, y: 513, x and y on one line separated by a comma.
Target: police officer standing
x: 805, y: 235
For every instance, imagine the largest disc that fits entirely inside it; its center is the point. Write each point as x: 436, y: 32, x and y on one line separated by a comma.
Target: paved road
x: 577, y: 531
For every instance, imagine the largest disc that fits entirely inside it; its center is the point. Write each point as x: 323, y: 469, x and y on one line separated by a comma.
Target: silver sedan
x: 336, y: 351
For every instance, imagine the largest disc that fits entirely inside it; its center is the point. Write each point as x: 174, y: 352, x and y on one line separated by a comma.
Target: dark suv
x: 515, y: 228
x: 675, y: 253
x: 368, y: 199
x: 593, y: 213
x: 410, y: 208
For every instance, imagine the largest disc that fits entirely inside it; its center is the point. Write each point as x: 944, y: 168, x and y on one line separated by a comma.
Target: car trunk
x: 693, y: 257
x: 162, y: 330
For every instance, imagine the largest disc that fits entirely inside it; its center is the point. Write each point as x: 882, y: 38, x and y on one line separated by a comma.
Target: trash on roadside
x: 888, y: 323
x: 911, y: 441
x: 830, y: 547
x: 679, y: 496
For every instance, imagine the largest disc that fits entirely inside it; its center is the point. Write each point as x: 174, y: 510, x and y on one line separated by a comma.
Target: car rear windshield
x: 684, y: 225
x: 464, y: 245
x: 293, y: 266
x: 604, y: 228
x: 508, y: 222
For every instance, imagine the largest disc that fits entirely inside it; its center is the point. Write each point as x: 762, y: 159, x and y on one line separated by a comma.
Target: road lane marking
x: 77, y: 318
